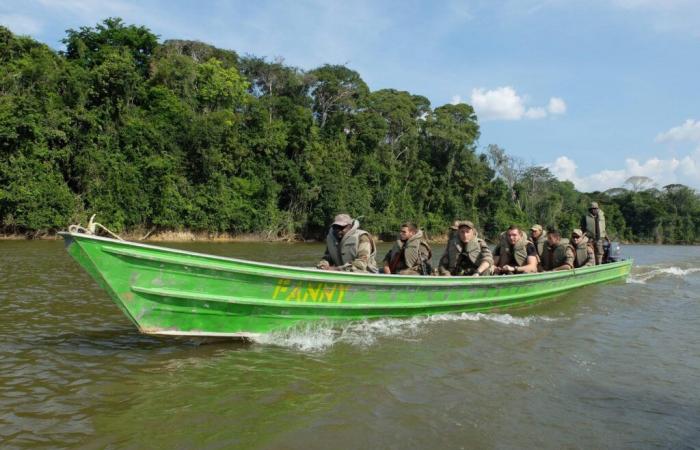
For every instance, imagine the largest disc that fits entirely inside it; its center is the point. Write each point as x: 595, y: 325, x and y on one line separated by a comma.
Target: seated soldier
x: 539, y: 238
x: 410, y: 254
x: 348, y: 248
x: 582, y: 249
x: 557, y: 254
x: 514, y: 253
x: 466, y: 254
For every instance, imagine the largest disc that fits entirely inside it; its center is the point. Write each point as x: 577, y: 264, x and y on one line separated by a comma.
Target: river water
x: 612, y: 366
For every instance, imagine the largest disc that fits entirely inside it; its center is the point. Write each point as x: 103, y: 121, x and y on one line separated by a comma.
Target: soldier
x: 582, y: 249
x: 514, y: 253
x: 538, y: 237
x: 557, y: 254
x: 348, y: 248
x: 410, y: 254
x: 593, y: 224
x: 466, y: 253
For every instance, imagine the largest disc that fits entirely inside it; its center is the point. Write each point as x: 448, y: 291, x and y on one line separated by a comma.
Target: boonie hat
x: 577, y: 232
x: 342, y: 220
x: 594, y: 205
x: 536, y: 227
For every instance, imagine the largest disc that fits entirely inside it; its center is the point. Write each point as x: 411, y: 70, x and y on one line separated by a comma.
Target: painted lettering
x: 301, y: 291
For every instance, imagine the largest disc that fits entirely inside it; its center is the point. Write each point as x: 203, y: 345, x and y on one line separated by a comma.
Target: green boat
x: 166, y: 291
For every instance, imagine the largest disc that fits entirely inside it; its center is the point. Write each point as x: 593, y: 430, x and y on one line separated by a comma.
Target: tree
x: 336, y: 89
x: 640, y: 183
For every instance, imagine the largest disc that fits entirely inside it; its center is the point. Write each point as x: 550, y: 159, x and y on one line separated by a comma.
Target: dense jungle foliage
x: 180, y: 135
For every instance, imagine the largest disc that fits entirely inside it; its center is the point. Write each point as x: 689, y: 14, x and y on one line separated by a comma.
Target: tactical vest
x: 580, y: 252
x: 345, y: 251
x: 473, y: 250
x: 590, y: 225
x: 540, y: 244
x: 558, y: 256
x: 519, y: 249
x: 414, y: 242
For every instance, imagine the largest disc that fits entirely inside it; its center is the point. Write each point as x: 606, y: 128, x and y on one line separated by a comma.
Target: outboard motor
x: 612, y: 251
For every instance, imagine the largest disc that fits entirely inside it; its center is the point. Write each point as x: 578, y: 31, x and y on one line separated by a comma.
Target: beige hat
x: 342, y: 220
x: 536, y: 227
x: 594, y: 205
x: 463, y: 223
x: 577, y: 232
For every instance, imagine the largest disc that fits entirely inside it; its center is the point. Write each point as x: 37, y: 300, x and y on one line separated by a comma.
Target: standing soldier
x: 593, y: 224
x: 410, y: 254
x: 348, y: 248
x: 466, y: 254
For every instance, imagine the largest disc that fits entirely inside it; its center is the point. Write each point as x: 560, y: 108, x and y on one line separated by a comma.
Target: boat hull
x: 172, y: 292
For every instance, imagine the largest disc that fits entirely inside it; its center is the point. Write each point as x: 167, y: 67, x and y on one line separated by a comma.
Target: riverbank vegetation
x: 182, y: 136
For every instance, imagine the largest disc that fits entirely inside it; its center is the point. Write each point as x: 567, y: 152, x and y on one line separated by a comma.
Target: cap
x: 536, y: 227
x: 343, y: 220
x: 463, y: 223
x: 577, y: 232
x: 594, y: 205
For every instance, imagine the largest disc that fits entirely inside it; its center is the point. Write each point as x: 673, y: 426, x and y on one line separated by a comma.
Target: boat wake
x: 647, y: 273
x: 321, y: 336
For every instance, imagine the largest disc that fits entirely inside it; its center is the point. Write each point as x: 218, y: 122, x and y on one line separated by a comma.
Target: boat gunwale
x: 315, y: 275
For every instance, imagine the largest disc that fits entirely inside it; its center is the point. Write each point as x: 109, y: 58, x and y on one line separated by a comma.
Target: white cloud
x: 662, y: 171
x: 536, y: 113
x: 681, y: 169
x: 556, y: 106
x: 504, y: 103
x: 500, y: 103
x: 20, y: 24
x: 689, y: 131
x: 456, y: 99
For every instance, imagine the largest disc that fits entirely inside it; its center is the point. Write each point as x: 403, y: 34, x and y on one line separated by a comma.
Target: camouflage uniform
x: 354, y: 252
x: 583, y: 253
x: 465, y: 258
x: 409, y: 255
x: 594, y: 227
x: 558, y: 255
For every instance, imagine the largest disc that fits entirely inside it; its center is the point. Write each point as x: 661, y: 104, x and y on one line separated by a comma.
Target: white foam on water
x: 320, y: 336
x: 642, y: 278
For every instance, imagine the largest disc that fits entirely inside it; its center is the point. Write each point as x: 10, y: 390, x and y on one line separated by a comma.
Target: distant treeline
x: 181, y: 135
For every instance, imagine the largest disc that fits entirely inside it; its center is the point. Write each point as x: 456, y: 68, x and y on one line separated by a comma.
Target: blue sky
x: 596, y: 90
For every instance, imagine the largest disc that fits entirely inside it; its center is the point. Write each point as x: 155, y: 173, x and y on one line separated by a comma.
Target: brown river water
x: 612, y: 366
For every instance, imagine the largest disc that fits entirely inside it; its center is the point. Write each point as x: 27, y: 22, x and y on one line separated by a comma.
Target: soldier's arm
x: 485, y: 260
x: 590, y: 256
x: 569, y: 263
x: 443, y: 268
x: 364, y: 250
x: 531, y: 261
x: 325, y: 261
x: 412, y: 257
x: 496, y: 255
x: 529, y: 267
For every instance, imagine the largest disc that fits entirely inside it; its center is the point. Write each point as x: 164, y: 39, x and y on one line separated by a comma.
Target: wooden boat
x: 173, y: 292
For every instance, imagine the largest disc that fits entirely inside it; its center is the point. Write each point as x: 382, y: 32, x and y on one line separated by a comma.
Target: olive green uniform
x: 354, y: 252
x: 409, y: 256
x: 465, y: 258
x: 554, y: 256
x: 583, y: 253
x: 594, y: 227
